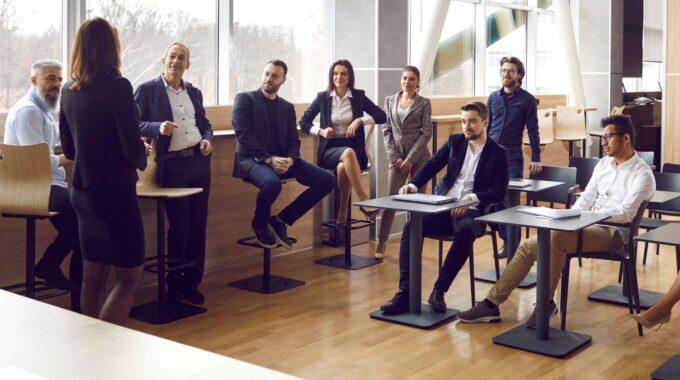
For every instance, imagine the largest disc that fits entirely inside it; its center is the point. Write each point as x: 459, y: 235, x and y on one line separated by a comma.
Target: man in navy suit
x: 476, y: 169
x: 267, y: 151
x: 172, y: 113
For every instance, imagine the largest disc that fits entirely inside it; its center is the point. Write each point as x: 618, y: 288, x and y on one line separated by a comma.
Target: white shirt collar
x: 181, y: 84
x: 628, y: 163
x: 348, y: 94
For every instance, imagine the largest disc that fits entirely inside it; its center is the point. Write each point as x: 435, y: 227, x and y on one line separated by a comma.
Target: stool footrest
x: 153, y: 268
x: 250, y: 241
x: 355, y: 224
x: 40, y: 286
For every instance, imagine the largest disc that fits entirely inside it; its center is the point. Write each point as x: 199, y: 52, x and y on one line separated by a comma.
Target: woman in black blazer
x: 99, y: 131
x: 341, y: 133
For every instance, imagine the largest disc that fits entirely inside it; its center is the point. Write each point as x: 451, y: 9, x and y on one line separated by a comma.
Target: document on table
x: 550, y: 213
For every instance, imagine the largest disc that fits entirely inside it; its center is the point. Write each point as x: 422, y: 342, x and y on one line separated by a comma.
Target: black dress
x: 99, y: 131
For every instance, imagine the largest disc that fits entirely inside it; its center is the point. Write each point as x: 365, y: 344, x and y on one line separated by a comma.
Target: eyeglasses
x: 607, y: 136
x: 508, y: 71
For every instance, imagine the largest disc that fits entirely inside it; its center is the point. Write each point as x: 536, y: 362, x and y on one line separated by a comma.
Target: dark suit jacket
x: 491, y: 177
x: 98, y: 126
x: 250, y: 121
x: 360, y: 104
x: 154, y: 106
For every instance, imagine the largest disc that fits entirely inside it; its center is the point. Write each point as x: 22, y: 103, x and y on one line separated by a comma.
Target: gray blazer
x: 408, y: 140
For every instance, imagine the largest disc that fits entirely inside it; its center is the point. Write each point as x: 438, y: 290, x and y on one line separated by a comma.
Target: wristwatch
x: 268, y: 160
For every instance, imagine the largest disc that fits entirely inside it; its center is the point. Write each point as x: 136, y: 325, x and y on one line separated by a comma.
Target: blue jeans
x: 319, y: 182
x: 516, y: 170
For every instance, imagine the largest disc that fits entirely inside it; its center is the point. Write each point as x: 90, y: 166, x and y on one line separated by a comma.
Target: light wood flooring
x: 322, y: 330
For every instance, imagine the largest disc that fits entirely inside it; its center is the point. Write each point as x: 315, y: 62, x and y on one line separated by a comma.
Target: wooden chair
x: 26, y: 178
x: 618, y: 110
x: 546, y: 132
x: 346, y: 260
x: 570, y: 125
x: 161, y: 311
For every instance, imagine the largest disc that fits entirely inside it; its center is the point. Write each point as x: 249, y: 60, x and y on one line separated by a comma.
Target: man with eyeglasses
x: 511, y: 109
x: 619, y: 184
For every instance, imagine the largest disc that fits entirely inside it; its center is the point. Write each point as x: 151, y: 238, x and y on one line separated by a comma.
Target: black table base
x: 427, y: 318
x: 156, y: 314
x: 262, y: 284
x: 668, y: 370
x: 351, y: 262
x: 490, y: 276
x: 614, y: 294
x: 558, y: 345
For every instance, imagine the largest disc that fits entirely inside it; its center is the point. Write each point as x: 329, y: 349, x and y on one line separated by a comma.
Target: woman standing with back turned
x: 98, y: 125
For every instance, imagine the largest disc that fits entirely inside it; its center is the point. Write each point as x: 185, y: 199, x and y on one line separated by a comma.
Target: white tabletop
x: 54, y: 343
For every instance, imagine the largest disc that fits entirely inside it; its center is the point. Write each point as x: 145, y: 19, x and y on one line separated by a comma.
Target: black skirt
x: 110, y: 225
x: 335, y: 148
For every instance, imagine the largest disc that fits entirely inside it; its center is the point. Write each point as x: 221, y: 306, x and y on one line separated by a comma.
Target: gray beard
x: 50, y: 101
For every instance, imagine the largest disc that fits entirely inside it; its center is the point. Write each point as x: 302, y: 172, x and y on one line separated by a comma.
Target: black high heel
x: 368, y: 212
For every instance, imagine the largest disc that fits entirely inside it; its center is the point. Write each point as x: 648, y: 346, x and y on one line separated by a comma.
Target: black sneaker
x: 264, y: 237
x: 479, y: 313
x: 552, y: 312
x: 280, y: 232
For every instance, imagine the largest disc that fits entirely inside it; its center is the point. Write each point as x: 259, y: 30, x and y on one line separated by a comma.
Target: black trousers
x: 66, y: 224
x: 464, y: 230
x: 187, y: 218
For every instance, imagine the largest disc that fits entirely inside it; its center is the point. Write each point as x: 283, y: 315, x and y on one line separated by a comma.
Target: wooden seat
x: 26, y: 178
x: 546, y: 132
x: 570, y: 125
x: 161, y: 311
x: 346, y: 260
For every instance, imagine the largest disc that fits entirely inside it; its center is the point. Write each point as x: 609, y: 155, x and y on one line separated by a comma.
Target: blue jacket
x: 154, y: 106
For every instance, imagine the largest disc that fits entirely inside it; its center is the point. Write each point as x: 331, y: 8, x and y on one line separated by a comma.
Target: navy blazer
x: 491, y: 177
x: 360, y: 104
x: 250, y: 121
x: 152, y: 99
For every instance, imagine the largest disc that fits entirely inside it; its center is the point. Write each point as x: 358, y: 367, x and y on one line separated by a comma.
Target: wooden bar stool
x: 26, y: 178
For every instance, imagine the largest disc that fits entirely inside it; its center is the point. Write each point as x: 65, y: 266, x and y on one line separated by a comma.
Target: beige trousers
x: 395, y: 180
x: 595, y: 239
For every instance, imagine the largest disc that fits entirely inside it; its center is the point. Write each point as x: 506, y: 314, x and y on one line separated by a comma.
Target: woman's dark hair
x: 350, y: 71
x: 95, y: 51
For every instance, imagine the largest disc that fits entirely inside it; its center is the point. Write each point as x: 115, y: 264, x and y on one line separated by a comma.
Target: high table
x: 53, y: 343
x: 512, y: 231
x: 419, y: 315
x: 617, y: 294
x: 544, y: 340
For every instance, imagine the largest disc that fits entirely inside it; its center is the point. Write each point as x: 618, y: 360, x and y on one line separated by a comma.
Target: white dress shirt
x: 341, y: 115
x: 617, y: 191
x: 186, y: 135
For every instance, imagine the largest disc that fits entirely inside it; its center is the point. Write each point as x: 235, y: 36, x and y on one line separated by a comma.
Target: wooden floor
x: 322, y: 330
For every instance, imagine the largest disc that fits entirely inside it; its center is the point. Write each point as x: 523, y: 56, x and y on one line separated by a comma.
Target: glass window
x: 510, y: 2
x: 453, y: 69
x: 29, y: 31
x: 545, y: 4
x: 505, y: 35
x: 549, y: 68
x: 290, y: 31
x: 148, y: 27
x: 651, y: 76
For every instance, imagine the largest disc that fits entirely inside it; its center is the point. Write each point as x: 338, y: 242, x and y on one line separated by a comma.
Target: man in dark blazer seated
x: 268, y: 150
x: 476, y: 169
x: 172, y: 113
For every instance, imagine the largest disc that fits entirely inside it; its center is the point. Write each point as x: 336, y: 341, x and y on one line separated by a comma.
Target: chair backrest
x: 570, y: 123
x: 635, y: 224
x: 671, y: 168
x: 647, y: 157
x: 618, y: 110
x: 367, y: 144
x: 25, y: 179
x: 546, y: 131
x: 557, y: 194
x: 584, y: 169
x: 668, y: 182
x: 147, y: 177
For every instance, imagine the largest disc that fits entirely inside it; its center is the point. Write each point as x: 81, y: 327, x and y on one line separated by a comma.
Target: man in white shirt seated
x: 620, y: 183
x: 33, y: 120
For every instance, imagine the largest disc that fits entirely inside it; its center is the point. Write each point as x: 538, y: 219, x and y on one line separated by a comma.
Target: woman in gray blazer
x: 406, y: 134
